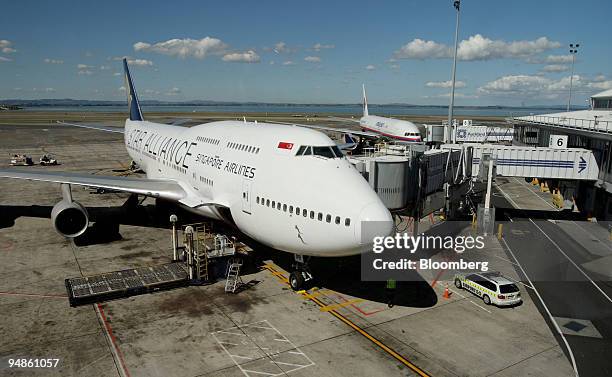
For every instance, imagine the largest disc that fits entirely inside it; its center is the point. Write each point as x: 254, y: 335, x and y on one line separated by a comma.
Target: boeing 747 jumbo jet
x: 287, y: 187
x: 375, y: 127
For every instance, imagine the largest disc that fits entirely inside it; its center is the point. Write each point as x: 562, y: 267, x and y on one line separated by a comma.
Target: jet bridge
x: 534, y: 162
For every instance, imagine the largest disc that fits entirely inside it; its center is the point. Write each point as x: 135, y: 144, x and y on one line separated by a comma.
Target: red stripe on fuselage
x: 418, y: 138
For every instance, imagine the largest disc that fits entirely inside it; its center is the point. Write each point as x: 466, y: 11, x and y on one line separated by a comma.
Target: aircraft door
x: 246, y: 196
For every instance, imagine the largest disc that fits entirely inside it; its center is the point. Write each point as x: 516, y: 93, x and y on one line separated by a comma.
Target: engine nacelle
x: 70, y: 219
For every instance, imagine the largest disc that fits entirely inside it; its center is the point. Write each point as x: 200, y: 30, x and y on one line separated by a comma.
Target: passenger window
x: 328, y: 218
x: 268, y: 202
x: 297, y: 210
x: 257, y: 200
x: 290, y: 209
x: 320, y: 216
x: 278, y: 206
x: 304, y: 212
x: 347, y: 222
x: 337, y: 220
x: 312, y: 214
x: 273, y: 204
x: 284, y: 208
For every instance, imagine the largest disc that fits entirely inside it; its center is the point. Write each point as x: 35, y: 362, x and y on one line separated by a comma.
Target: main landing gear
x: 301, y: 277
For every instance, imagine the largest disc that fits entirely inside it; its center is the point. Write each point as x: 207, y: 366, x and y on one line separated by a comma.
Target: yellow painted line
x: 384, y: 347
x: 327, y: 308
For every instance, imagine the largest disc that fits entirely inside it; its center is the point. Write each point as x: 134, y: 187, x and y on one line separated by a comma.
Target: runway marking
x: 111, y: 336
x: 572, y: 262
x: 552, y: 319
x: 270, y: 354
x: 384, y: 347
x: 470, y: 301
x: 534, y: 193
x: 327, y: 308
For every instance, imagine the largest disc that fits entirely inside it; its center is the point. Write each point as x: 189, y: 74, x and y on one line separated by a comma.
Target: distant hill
x: 69, y: 102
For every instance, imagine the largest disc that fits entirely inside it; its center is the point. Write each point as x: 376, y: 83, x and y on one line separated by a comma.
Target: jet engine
x: 69, y: 218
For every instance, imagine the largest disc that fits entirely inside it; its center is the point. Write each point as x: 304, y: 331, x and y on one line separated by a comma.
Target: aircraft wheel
x: 296, y: 280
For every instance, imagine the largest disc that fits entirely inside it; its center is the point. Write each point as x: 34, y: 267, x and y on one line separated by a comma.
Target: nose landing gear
x: 301, y: 277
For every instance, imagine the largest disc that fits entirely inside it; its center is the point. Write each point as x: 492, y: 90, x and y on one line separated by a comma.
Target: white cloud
x: 457, y: 95
x: 85, y: 72
x: 445, y: 84
x: 288, y: 62
x: 476, y: 47
x: 558, y: 59
x: 370, y: 67
x: 140, y: 62
x: 173, y: 92
x: 83, y: 66
x: 533, y: 86
x: 53, y: 61
x: 320, y: 46
x: 183, y: 48
x: 242, y: 57
x: 313, y: 59
x: 6, y: 46
x: 603, y: 85
x: 555, y: 68
x: 151, y: 91
x: 394, y: 66
x: 420, y: 49
x: 121, y: 89
x: 44, y: 90
x: 3, y: 59
x: 104, y: 68
x: 17, y: 89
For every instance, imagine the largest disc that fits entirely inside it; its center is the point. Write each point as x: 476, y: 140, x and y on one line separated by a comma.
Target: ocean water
x: 305, y: 110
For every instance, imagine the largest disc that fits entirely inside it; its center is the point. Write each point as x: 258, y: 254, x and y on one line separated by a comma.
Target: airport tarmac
x: 339, y: 329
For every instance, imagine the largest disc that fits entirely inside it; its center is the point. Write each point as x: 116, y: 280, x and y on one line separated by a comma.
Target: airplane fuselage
x: 312, y: 204
x: 397, y: 129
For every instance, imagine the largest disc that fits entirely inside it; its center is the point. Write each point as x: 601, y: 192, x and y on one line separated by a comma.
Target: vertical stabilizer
x: 365, y: 102
x: 133, y: 105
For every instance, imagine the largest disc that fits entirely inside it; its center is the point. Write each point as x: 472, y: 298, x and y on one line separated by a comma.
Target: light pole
x: 573, y: 51
x: 448, y: 129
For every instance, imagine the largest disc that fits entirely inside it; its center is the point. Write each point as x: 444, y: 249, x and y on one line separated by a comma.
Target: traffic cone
x: 446, y: 294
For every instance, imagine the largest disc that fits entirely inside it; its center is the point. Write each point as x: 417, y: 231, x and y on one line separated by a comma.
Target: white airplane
x: 375, y: 127
x: 287, y: 187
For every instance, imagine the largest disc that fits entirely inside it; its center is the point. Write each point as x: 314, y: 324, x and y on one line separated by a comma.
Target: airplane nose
x: 374, y: 220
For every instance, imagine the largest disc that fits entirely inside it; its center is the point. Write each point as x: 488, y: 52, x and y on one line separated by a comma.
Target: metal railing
x: 575, y: 123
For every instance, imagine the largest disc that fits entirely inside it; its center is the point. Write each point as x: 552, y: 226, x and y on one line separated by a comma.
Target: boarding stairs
x: 233, y: 280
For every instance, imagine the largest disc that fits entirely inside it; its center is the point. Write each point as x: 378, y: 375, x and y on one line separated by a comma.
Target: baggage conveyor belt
x: 126, y: 283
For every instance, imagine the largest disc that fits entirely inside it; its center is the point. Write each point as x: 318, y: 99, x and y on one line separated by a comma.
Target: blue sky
x: 513, y: 52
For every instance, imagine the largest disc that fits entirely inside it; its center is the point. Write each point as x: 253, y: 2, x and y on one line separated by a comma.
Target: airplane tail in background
x: 133, y: 105
x: 365, y: 102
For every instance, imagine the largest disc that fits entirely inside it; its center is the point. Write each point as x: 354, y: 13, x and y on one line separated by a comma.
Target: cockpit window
x: 337, y: 151
x: 325, y: 151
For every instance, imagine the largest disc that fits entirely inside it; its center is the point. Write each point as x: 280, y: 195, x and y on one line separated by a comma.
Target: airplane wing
x: 157, y: 188
x: 334, y: 129
x: 337, y: 119
x: 93, y: 127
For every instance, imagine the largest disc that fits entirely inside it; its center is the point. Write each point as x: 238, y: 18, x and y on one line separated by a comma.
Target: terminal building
x: 589, y: 129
